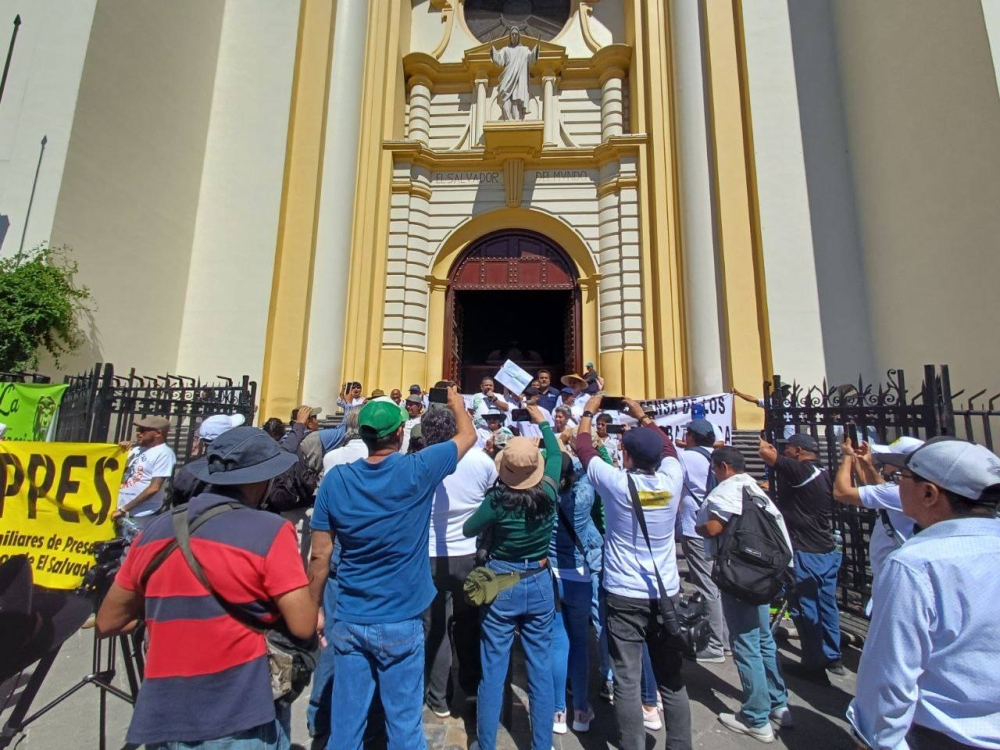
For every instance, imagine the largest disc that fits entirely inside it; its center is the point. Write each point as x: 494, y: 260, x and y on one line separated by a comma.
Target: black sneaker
x: 836, y: 667
x: 795, y: 669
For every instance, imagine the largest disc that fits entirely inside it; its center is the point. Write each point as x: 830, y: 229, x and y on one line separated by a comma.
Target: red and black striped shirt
x: 206, y: 673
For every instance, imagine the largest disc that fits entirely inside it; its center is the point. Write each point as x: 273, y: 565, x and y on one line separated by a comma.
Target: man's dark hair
x: 274, y: 427
x: 377, y: 444
x: 604, y: 417
x: 963, y: 506
x: 438, y: 426
x: 704, y: 441
x: 730, y: 456
x: 484, y: 379
x: 547, y: 372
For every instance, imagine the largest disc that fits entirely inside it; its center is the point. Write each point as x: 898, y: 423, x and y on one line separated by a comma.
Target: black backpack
x: 753, y: 557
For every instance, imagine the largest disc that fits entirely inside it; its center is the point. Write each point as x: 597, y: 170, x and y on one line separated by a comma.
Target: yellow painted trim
x: 760, y: 279
x: 449, y: 11
x: 585, y: 12
x: 652, y: 111
x: 415, y: 189
x: 291, y: 284
x: 612, y: 150
x: 738, y: 258
x: 370, y: 231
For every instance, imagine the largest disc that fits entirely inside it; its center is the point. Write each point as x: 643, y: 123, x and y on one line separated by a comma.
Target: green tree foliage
x: 39, y: 306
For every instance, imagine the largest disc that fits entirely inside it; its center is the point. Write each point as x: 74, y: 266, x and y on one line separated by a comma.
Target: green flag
x: 29, y: 410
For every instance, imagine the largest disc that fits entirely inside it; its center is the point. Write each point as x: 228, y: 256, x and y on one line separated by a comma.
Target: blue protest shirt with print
x: 380, y: 514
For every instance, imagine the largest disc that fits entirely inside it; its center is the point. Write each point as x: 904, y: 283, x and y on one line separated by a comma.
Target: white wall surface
x: 232, y: 257
x: 991, y: 15
x: 923, y: 117
x: 39, y: 101
x: 130, y: 189
x: 816, y: 293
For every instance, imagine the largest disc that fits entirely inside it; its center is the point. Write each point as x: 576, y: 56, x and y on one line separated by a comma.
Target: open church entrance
x: 512, y: 295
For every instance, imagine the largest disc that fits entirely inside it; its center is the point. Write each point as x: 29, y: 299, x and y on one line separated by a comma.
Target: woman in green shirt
x: 519, y: 512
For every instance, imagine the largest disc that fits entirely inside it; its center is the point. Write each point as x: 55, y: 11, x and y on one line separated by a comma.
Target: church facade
x: 693, y: 194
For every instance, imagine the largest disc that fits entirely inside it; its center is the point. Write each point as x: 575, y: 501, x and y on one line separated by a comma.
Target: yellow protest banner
x: 56, y: 501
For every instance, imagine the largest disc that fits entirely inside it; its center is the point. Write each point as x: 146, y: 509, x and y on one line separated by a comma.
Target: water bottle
x: 838, y: 541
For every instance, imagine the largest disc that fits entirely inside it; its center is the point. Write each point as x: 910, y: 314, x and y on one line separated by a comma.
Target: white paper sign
x: 513, y: 378
x: 674, y: 414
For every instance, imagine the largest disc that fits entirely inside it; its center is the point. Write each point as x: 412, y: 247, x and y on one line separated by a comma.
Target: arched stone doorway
x: 512, y: 295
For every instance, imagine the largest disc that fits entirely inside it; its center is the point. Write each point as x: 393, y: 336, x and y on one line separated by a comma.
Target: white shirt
x: 696, y: 471
x: 628, y: 568
x: 726, y: 501
x: 457, y: 497
x: 530, y: 429
x: 931, y: 653
x: 141, y: 467
x: 352, y: 404
x: 345, y: 454
x: 481, y: 405
x: 885, y: 497
x: 408, y: 426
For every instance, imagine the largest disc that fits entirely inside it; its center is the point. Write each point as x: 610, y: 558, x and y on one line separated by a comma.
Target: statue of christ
x: 516, y: 61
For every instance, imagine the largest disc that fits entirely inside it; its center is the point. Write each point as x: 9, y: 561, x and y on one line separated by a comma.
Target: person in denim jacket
x: 576, y: 555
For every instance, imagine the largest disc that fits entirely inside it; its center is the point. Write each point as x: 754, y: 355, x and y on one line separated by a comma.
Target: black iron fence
x: 24, y: 377
x: 877, y: 413
x: 100, y: 406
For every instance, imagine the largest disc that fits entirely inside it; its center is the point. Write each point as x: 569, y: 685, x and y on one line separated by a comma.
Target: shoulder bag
x: 291, y: 660
x: 686, y: 619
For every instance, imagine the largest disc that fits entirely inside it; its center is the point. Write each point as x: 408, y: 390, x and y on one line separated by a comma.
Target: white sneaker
x: 782, y: 718
x: 651, y: 719
x: 736, y: 723
x: 582, y: 719
x: 559, y: 723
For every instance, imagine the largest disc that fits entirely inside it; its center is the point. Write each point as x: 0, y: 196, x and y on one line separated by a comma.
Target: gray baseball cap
x: 958, y: 466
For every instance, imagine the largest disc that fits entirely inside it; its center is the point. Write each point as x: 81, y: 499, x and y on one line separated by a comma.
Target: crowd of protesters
x: 440, y: 527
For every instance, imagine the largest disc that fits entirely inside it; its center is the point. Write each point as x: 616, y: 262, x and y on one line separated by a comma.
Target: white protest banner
x: 674, y: 414
x: 513, y: 378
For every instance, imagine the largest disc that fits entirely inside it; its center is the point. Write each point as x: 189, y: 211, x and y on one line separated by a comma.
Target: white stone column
x: 698, y: 246
x: 481, y: 104
x: 420, y: 110
x: 327, y: 316
x: 612, y: 103
x: 549, y: 114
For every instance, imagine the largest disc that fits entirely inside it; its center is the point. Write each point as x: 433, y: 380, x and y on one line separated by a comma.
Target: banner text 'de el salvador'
x: 56, y: 501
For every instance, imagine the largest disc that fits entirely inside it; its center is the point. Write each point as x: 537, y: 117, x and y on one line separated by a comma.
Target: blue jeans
x: 756, y: 659
x: 318, y: 712
x: 598, y: 616
x: 570, y: 629
x: 530, y: 607
x: 264, y: 737
x: 391, y: 656
x: 814, y: 607
x: 647, y: 681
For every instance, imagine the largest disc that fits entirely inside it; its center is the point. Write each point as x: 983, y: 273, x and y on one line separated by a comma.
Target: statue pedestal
x: 513, y: 143
x: 523, y: 137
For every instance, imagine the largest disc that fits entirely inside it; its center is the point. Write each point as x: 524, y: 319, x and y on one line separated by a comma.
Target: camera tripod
x: 103, y: 666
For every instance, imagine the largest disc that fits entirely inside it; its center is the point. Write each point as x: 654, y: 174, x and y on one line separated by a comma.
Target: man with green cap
x: 380, y: 509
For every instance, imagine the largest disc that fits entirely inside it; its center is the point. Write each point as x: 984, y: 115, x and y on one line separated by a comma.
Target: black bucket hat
x: 243, y: 455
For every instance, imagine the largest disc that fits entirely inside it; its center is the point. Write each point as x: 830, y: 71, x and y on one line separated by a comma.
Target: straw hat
x: 520, y: 464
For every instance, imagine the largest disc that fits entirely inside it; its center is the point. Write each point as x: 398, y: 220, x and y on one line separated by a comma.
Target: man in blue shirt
x: 550, y: 396
x: 379, y: 508
x: 928, y: 672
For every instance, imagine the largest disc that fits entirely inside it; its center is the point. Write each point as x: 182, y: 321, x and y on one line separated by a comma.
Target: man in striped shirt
x: 207, y: 677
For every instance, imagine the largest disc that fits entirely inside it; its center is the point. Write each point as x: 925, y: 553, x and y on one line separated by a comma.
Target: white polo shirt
x: 457, y: 497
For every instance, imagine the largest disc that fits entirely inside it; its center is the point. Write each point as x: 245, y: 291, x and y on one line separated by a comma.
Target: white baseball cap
x: 216, y: 424
x: 904, y: 445
x: 956, y: 465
